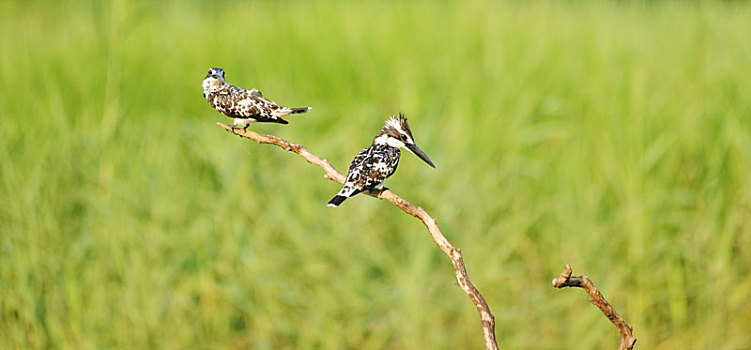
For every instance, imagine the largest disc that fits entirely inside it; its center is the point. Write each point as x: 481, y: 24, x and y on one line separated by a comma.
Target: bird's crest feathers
x: 398, y: 123
x: 397, y: 130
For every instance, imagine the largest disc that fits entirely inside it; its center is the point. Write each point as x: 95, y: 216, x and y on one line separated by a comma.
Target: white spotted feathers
x: 245, y: 106
x: 378, y: 161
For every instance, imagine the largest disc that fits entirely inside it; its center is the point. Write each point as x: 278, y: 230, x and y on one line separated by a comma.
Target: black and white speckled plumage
x: 245, y: 106
x: 370, y: 168
x: 375, y: 163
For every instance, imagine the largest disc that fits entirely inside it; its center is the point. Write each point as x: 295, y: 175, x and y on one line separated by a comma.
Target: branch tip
x: 596, y: 298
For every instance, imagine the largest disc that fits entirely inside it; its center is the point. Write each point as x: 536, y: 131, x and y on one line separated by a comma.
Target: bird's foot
x: 377, y: 190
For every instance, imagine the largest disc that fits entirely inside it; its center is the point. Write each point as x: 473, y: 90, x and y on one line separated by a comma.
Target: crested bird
x: 378, y: 161
x: 245, y: 106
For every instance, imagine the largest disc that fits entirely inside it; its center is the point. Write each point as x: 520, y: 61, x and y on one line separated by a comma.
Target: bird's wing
x: 357, y: 174
x: 359, y: 158
x: 242, y: 103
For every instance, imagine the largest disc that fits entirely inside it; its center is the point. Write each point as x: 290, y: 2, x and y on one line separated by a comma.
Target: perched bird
x: 378, y: 161
x: 246, y: 106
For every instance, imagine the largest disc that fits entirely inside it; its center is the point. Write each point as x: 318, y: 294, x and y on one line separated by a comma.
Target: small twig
x: 596, y: 298
x: 487, y: 318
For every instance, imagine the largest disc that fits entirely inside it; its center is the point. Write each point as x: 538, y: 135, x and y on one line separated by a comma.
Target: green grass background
x: 614, y: 136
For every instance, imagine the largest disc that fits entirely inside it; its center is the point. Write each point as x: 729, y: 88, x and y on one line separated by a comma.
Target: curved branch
x: 596, y: 298
x: 487, y: 318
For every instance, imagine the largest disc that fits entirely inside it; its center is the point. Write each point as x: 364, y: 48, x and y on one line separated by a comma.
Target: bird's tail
x: 296, y: 110
x: 340, y: 197
x: 334, y: 202
x: 290, y: 110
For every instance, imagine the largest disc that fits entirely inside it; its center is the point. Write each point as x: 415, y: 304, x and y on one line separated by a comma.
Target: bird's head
x: 215, y: 77
x: 396, y: 133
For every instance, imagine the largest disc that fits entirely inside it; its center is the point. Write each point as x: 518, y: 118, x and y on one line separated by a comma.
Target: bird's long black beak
x: 418, y: 152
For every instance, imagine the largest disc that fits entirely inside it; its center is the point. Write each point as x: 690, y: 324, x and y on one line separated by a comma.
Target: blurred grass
x: 612, y: 136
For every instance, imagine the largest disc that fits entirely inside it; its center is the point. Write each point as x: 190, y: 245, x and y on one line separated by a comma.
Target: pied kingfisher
x: 246, y: 106
x: 378, y: 161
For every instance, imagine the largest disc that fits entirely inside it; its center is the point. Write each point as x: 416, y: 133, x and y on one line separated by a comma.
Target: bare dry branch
x: 596, y: 298
x: 487, y: 318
